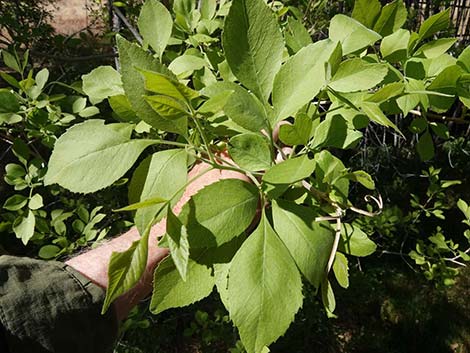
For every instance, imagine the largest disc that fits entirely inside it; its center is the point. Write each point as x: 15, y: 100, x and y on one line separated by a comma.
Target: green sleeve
x: 50, y: 307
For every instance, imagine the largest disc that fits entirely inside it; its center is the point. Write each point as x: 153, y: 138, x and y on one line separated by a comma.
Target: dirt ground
x: 72, y: 16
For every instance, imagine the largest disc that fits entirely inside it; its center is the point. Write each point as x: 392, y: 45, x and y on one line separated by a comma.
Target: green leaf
x: 309, y: 242
x: 329, y: 176
x: 171, y: 292
x: 166, y: 86
x: 298, y: 133
x: 35, y: 202
x: 265, y: 288
x: 208, y: 9
x: 290, y: 171
x: 387, y: 92
x: 168, y: 107
x: 88, y: 112
x: 463, y: 206
x: 8, y: 102
x: 409, y: 101
x: 123, y: 109
x: 425, y: 146
x: 394, y: 47
x: 296, y: 35
x: 434, y: 24
x: 11, y: 61
x: 353, y: 35
x: 125, y: 269
x: 328, y: 297
x: 357, y: 75
x: 48, y: 252
x: 250, y: 151
x: 24, y: 227
x: 436, y: 48
x: 334, y: 132
x: 340, y: 269
x: 301, y: 78
x: 15, y: 202
x: 91, y: 156
x: 418, y: 125
x: 184, y: 66
x: 464, y: 59
x: 374, y: 113
x: 392, y: 17
x: 161, y: 175
x: 253, y: 45
x: 363, y: 178
x: 219, y: 212
x: 446, y: 82
x: 246, y: 110
x: 101, y: 83
x: 354, y: 241
x: 131, y: 57
x: 178, y: 243
x: 138, y: 205
x: 41, y: 78
x: 155, y: 25
x: 366, y: 11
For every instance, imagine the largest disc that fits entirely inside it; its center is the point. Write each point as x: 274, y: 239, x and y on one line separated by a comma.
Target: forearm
x: 94, y: 263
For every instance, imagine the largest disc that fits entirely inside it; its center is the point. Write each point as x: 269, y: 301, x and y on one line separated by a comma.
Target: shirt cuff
x: 50, y: 307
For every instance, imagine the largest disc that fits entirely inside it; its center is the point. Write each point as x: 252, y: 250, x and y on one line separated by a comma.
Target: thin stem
x: 204, y: 138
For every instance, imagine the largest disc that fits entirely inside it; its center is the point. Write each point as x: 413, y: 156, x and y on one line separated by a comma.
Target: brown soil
x: 72, y: 16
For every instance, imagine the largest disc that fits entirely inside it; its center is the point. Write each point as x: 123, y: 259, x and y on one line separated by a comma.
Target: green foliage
x: 33, y: 115
x: 200, y: 90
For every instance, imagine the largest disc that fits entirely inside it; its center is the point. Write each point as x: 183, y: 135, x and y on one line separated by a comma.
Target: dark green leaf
x: 250, y: 151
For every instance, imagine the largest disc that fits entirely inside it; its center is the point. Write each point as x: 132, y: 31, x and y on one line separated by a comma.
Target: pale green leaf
x: 409, y: 101
x: 24, y: 227
x: 436, y: 48
x: 162, y: 175
x: 146, y: 203
x: 250, y: 151
x: 184, y: 66
x: 253, y: 45
x: 309, y: 242
x: 219, y: 212
x: 446, y: 82
x: 48, y: 252
x: 301, y: 78
x: 298, y: 133
x: 354, y: 241
x: 387, y: 92
x: 125, y: 269
x: 41, y: 78
x: 35, y: 202
x: 155, y: 25
x: 91, y: 156
x: 392, y: 17
x: 394, y: 47
x: 265, y: 288
x: 357, y: 75
x: 290, y: 171
x: 296, y: 35
x: 340, y: 269
x: 169, y: 291
x: 101, y: 83
x: 353, y: 35
x: 374, y: 113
